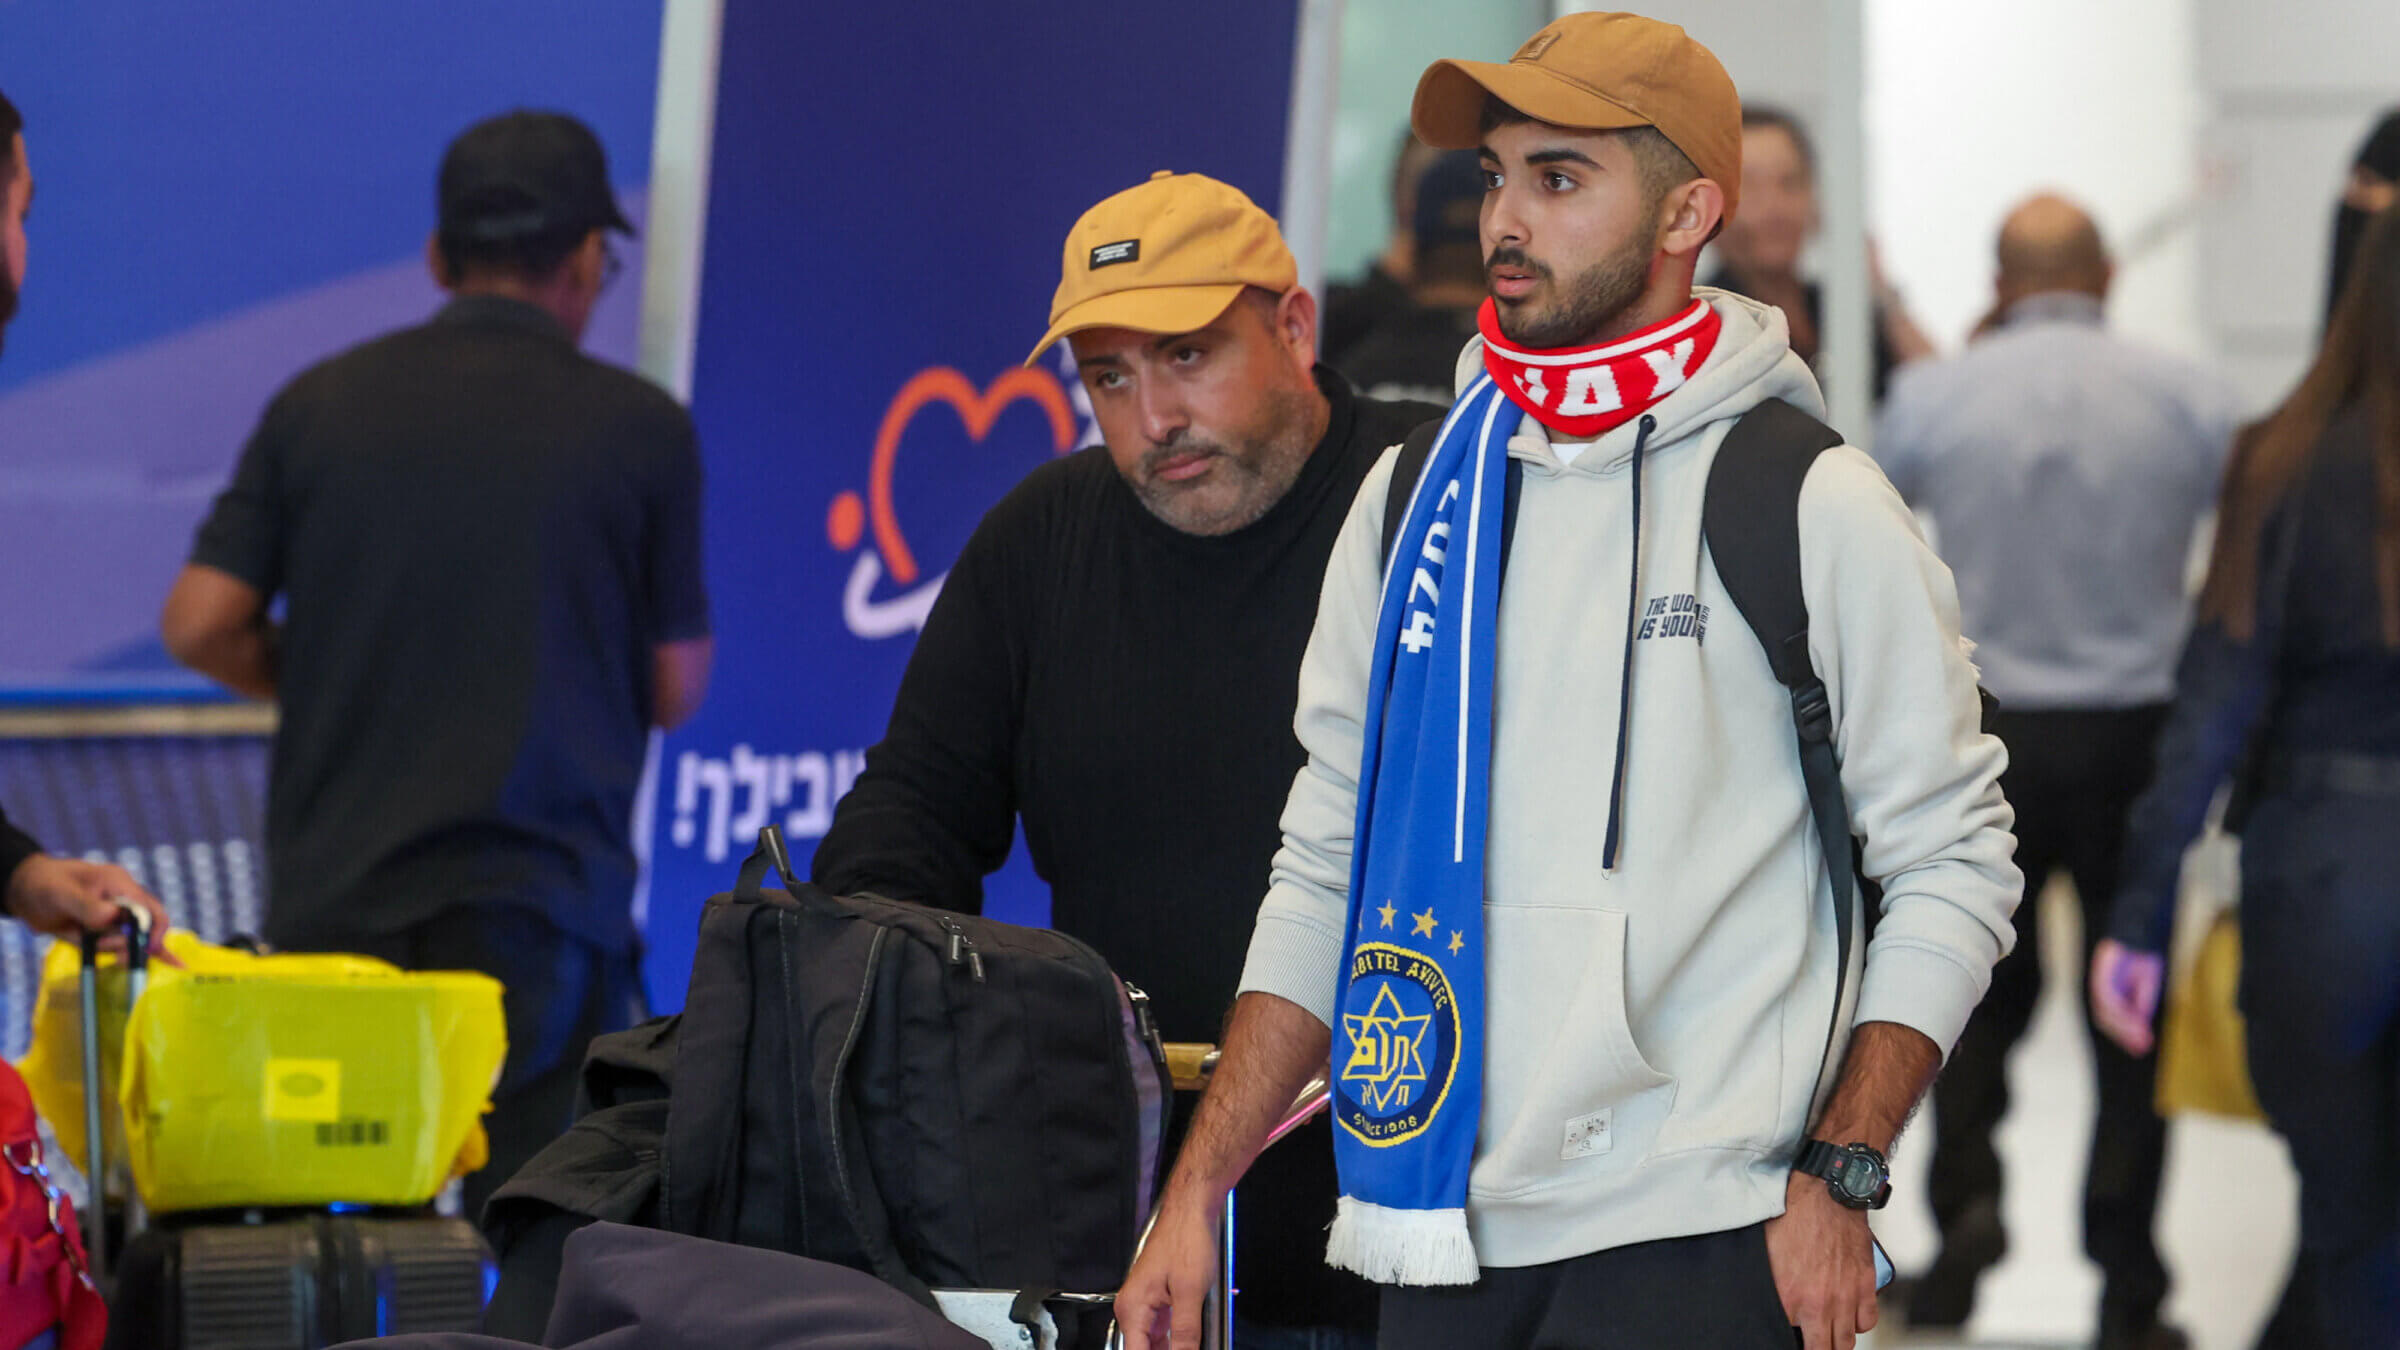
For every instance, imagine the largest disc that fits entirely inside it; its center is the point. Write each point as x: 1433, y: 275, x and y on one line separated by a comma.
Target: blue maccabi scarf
x: 1408, y: 1045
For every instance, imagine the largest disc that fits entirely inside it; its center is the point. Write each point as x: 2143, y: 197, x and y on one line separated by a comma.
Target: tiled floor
x: 2226, y: 1222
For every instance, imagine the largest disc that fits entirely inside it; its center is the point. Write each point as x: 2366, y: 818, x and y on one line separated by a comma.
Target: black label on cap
x: 1122, y: 251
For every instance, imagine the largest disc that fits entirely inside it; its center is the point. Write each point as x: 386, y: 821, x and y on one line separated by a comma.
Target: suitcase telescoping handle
x: 134, y: 921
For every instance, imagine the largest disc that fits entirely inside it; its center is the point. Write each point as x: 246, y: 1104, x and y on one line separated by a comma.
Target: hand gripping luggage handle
x: 135, y: 922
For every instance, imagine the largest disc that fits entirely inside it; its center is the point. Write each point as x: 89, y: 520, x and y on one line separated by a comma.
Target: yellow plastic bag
x: 53, y: 1066
x: 2203, y: 1061
x: 280, y: 1080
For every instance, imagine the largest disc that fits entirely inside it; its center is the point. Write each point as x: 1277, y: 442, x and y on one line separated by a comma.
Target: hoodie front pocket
x: 1567, y: 1094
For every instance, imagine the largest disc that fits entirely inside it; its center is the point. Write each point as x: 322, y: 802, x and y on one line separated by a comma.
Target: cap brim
x: 1150, y: 309
x: 1448, y: 112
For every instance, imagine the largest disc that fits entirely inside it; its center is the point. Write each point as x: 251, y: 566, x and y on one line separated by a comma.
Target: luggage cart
x: 102, y: 1176
x: 300, y: 1276
x: 1192, y: 1066
x: 1009, y: 1319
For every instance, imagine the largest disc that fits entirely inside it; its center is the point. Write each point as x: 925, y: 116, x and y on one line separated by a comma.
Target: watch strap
x: 1820, y: 1159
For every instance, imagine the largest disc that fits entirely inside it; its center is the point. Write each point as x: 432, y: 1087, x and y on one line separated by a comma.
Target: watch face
x: 1860, y: 1176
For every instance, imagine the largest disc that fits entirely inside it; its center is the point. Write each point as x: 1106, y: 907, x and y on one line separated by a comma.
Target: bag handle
x: 769, y: 852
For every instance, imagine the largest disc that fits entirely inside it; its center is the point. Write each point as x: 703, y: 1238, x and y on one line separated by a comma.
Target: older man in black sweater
x: 1114, y: 659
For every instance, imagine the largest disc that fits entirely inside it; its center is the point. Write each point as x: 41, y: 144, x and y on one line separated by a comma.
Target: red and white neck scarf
x: 1580, y: 392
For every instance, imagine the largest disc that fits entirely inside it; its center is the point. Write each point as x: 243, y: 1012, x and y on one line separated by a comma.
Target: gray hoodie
x: 1655, y: 1034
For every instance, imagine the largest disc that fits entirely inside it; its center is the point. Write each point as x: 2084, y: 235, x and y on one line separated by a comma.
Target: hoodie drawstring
x: 1633, y: 612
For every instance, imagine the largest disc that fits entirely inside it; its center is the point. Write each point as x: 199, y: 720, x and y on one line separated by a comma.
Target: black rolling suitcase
x: 297, y: 1280
x: 268, y: 1279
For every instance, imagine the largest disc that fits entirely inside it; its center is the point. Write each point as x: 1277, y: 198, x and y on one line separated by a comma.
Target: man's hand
x: 1820, y: 1249
x: 1271, y: 1047
x: 1159, y: 1307
x: 2125, y: 990
x: 62, y: 898
x: 1824, y: 1263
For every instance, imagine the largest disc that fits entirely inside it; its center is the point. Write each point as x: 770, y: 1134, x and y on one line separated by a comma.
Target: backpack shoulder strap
x: 1750, y: 520
x: 1407, y: 467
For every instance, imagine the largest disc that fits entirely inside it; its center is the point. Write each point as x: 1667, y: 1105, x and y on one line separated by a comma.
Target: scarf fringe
x: 1402, y: 1246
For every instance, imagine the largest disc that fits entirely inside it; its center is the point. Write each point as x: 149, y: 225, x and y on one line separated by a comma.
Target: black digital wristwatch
x: 1857, y: 1175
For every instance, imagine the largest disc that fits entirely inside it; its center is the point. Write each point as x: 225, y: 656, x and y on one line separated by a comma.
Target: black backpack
x: 938, y: 1099
x: 934, y: 1098
x: 1750, y: 520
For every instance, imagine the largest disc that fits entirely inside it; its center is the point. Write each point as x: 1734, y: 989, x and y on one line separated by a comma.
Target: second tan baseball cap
x: 1165, y: 257
x: 1598, y: 72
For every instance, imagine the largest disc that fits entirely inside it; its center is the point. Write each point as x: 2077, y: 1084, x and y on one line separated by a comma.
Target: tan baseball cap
x: 1165, y: 257
x: 1598, y: 72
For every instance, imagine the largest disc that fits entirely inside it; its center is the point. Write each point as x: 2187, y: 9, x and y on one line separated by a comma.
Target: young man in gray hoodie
x: 1653, y: 926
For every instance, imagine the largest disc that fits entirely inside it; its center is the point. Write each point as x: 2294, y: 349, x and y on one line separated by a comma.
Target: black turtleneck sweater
x: 1127, y: 691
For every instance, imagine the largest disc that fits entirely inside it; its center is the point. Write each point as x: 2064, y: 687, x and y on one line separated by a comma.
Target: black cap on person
x: 523, y: 175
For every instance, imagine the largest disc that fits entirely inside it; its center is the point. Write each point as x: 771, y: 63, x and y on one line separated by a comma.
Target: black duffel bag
x: 939, y: 1099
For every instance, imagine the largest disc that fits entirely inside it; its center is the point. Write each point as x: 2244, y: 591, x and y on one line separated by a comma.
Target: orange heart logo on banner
x: 978, y: 409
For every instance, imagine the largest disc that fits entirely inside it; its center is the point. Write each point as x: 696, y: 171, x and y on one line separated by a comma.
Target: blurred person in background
x: 2373, y: 185
x: 1354, y: 308
x: 2066, y: 471
x: 56, y: 897
x: 16, y: 202
x: 1760, y: 252
x: 2290, y: 685
x: 488, y: 545
x: 45, y: 1299
x: 1412, y: 353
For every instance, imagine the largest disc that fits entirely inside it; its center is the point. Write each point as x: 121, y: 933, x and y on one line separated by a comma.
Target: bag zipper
x: 1146, y: 1027
x: 962, y: 947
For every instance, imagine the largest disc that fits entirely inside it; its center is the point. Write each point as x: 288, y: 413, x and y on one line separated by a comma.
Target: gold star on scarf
x: 1387, y: 912
x: 1424, y: 923
x: 1457, y: 940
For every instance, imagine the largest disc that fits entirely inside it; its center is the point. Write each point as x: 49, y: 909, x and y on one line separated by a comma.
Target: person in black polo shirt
x: 1115, y: 660
x: 488, y: 548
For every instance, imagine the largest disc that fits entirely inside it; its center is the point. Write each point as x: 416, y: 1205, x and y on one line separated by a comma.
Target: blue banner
x: 890, y: 191
x: 226, y: 194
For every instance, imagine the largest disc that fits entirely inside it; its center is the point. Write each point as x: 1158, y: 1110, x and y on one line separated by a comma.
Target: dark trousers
x: 2072, y: 777
x: 2320, y: 997
x: 1714, y: 1290
x: 561, y: 992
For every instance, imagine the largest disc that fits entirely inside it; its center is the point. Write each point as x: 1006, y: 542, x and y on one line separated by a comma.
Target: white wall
x: 1385, y: 46
x: 1970, y: 108
x: 2290, y: 90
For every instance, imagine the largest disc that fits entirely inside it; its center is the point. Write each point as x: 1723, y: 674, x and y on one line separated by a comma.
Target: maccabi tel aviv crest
x: 1396, y: 1060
